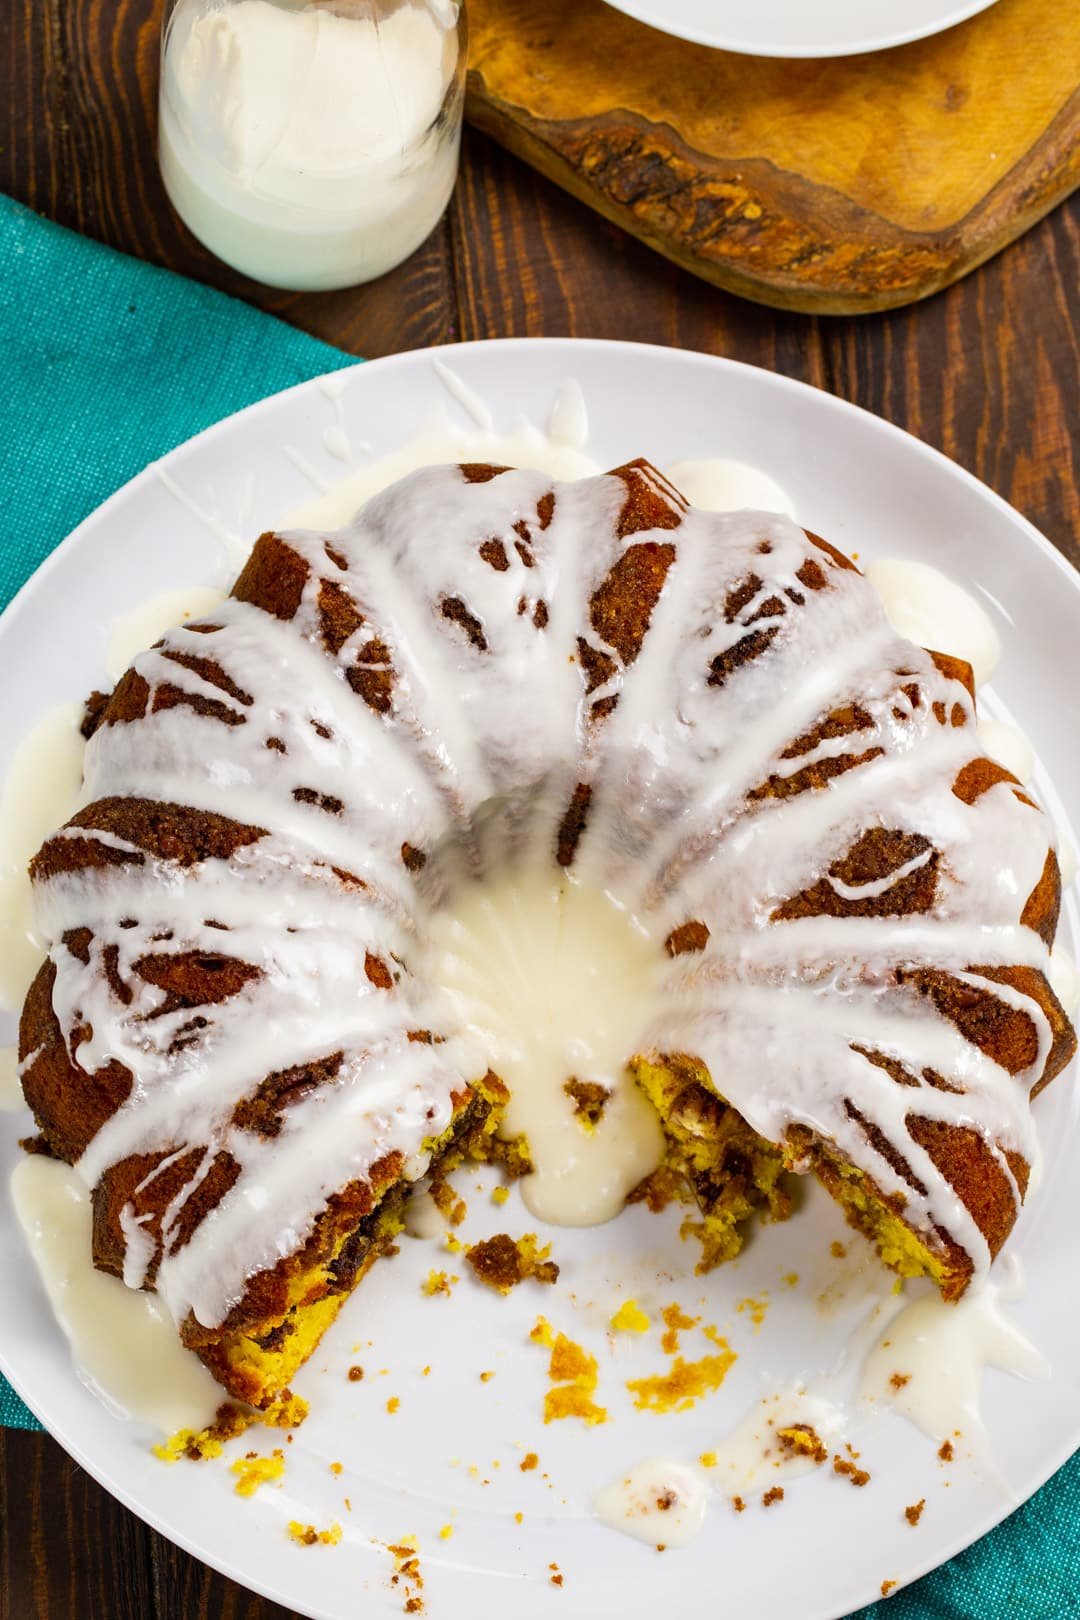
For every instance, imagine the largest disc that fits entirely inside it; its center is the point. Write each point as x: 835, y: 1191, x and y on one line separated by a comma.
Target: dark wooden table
x: 987, y: 372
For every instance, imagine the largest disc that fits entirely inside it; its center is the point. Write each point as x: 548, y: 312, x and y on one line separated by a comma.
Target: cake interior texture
x: 232, y: 1038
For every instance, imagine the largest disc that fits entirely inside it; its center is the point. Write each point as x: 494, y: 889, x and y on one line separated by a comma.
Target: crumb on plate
x: 802, y: 1440
x: 502, y: 1261
x: 629, y: 1318
x: 857, y: 1476
x: 684, y: 1384
x: 306, y: 1535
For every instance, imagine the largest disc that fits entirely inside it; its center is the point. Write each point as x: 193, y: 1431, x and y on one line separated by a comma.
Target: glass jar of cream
x: 311, y: 143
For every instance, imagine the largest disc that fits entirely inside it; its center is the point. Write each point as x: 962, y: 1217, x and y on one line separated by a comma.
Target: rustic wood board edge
x: 769, y: 235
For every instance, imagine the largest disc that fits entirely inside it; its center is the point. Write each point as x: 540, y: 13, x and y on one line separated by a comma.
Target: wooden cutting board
x: 840, y: 186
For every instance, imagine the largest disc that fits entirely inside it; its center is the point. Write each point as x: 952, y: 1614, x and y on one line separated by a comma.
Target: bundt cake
x: 707, y: 714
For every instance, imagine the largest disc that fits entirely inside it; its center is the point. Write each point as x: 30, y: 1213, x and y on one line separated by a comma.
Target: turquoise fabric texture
x: 108, y: 363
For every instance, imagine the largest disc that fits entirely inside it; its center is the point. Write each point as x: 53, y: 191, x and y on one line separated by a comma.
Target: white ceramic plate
x: 450, y: 1454
x: 799, y: 28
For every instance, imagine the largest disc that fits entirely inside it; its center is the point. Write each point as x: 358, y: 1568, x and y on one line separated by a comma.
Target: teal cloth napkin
x: 108, y: 363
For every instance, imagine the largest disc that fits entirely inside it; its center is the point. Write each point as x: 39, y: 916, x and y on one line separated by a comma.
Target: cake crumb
x: 306, y: 1535
x: 542, y: 1332
x: 857, y: 1476
x: 572, y: 1400
x: 253, y: 1471
x: 556, y: 1579
x: 800, y: 1439
x: 576, y: 1373
x: 755, y: 1308
x: 838, y: 1250
x: 452, y: 1208
x: 500, y: 1195
x: 519, y: 1518
x: 502, y: 1261
x: 738, y: 1504
x: 686, y: 1383
x: 898, y: 1380
x: 589, y: 1098
x: 790, y: 1279
x: 945, y: 1451
x: 629, y: 1318
x: 914, y: 1513
x: 676, y: 1321
x: 486, y: 1377
x: 887, y: 1587
x: 707, y: 1459
x: 287, y: 1412
x: 446, y: 1532
x: 437, y: 1282
x: 656, y: 1191
x: 570, y: 1361
x: 529, y: 1462
x: 355, y: 1374
x: 393, y: 1403
x: 336, y: 1468
x: 198, y: 1445
x: 407, y: 1569
x: 775, y: 1493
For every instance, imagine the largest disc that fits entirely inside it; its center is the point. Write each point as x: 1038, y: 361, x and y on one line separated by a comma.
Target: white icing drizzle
x: 233, y: 543
x: 939, y: 1353
x: 751, y: 1455
x: 423, y: 1217
x: 124, y: 1344
x: 874, y: 888
x: 39, y: 792
x: 927, y: 607
x: 130, y: 632
x: 554, y: 982
x: 568, y: 423
x: 1065, y: 980
x: 443, y: 439
x: 660, y: 1501
x: 717, y: 484
x: 1008, y: 745
x: 489, y: 735
x: 11, y: 1097
x: 305, y: 468
x: 470, y: 401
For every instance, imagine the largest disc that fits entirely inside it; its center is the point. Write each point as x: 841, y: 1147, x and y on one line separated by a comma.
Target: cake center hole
x: 557, y: 983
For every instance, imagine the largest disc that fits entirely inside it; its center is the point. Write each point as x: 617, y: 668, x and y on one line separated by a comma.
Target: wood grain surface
x: 835, y: 187
x: 987, y: 372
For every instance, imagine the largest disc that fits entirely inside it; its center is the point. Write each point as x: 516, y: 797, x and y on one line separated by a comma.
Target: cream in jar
x: 311, y: 145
